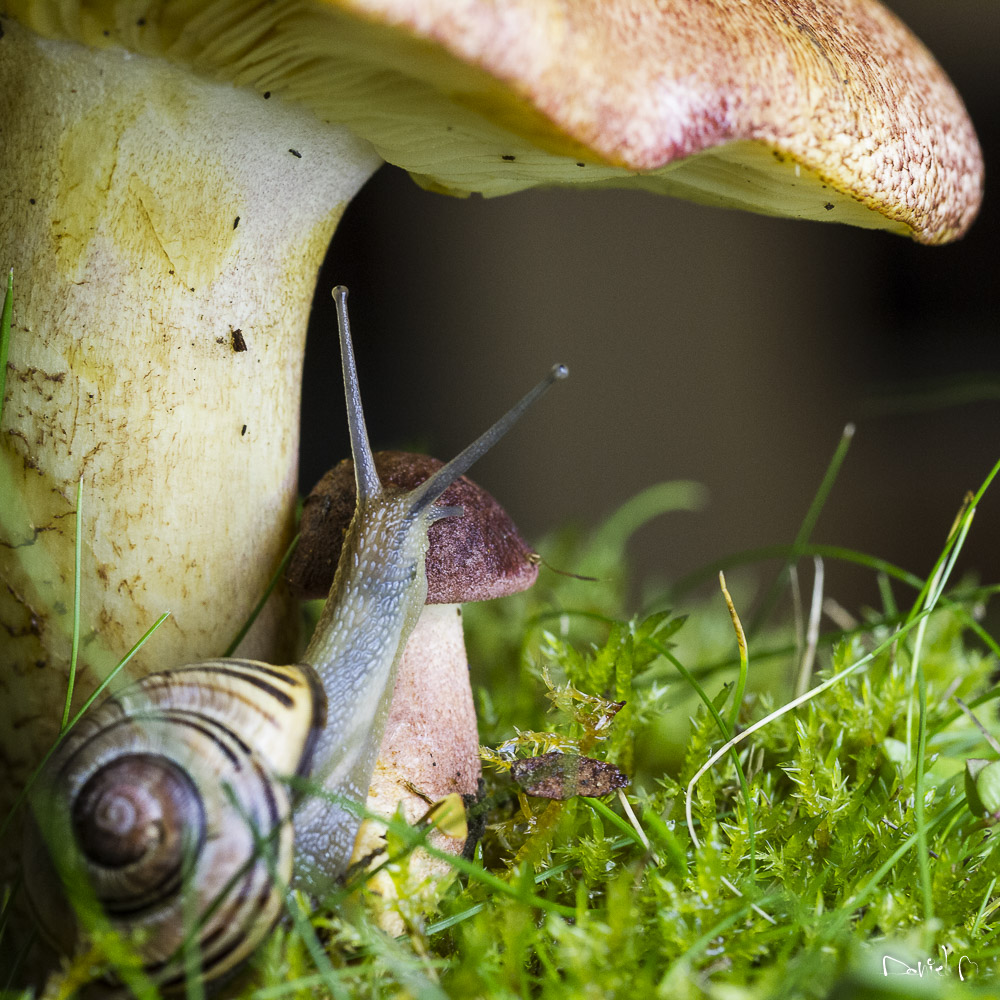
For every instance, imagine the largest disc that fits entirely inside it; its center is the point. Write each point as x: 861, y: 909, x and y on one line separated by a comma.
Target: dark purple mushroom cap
x: 475, y: 557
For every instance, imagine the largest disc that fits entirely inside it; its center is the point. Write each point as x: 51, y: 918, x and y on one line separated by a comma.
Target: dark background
x: 704, y: 344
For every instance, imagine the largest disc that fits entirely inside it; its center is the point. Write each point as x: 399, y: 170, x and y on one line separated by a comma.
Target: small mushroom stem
x: 431, y: 745
x: 165, y: 234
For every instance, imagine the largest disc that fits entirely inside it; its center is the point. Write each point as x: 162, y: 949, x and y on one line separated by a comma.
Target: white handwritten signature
x: 928, y: 967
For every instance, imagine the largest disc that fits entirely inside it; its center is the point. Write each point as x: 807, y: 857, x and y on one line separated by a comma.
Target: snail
x: 166, y: 804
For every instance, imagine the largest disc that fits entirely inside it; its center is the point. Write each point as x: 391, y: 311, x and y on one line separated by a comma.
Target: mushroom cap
x: 829, y: 111
x: 475, y: 557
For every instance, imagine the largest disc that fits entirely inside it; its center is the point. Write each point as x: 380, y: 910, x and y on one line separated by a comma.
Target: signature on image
x: 928, y: 967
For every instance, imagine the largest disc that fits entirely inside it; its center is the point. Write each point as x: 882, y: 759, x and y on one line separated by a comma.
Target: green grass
x: 770, y: 845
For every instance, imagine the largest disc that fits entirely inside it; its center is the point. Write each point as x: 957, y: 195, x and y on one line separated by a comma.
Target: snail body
x: 356, y: 649
x: 166, y: 803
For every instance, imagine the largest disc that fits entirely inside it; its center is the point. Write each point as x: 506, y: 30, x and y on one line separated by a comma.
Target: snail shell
x: 168, y: 791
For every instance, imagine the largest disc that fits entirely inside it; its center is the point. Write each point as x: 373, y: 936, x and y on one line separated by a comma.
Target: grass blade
x: 75, y: 651
x: 259, y: 606
x: 749, y: 557
x: 805, y: 529
x: 5, y: 318
x: 98, y: 691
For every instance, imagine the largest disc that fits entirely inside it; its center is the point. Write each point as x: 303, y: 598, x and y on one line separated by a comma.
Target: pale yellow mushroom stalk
x: 165, y: 241
x: 170, y: 176
x: 429, y: 750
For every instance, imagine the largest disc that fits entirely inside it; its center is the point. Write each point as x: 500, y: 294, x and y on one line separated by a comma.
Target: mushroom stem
x: 165, y: 234
x: 431, y: 744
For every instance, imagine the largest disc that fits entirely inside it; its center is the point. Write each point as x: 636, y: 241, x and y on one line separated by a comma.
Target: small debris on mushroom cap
x: 475, y: 557
x: 560, y: 776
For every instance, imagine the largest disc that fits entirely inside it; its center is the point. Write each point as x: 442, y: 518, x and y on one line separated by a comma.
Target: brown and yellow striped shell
x: 183, y: 832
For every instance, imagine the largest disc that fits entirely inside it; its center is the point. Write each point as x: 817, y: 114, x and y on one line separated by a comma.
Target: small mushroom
x: 431, y: 744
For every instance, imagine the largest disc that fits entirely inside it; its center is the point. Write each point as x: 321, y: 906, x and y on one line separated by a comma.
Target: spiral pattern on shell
x: 165, y: 805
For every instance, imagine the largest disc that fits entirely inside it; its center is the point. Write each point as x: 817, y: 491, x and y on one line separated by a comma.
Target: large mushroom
x: 172, y: 172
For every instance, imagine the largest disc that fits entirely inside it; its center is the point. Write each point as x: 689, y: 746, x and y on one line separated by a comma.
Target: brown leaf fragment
x: 562, y: 775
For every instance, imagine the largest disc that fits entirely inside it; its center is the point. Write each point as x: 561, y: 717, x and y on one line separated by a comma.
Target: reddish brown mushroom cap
x: 475, y: 557
x: 697, y: 95
x: 831, y: 111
